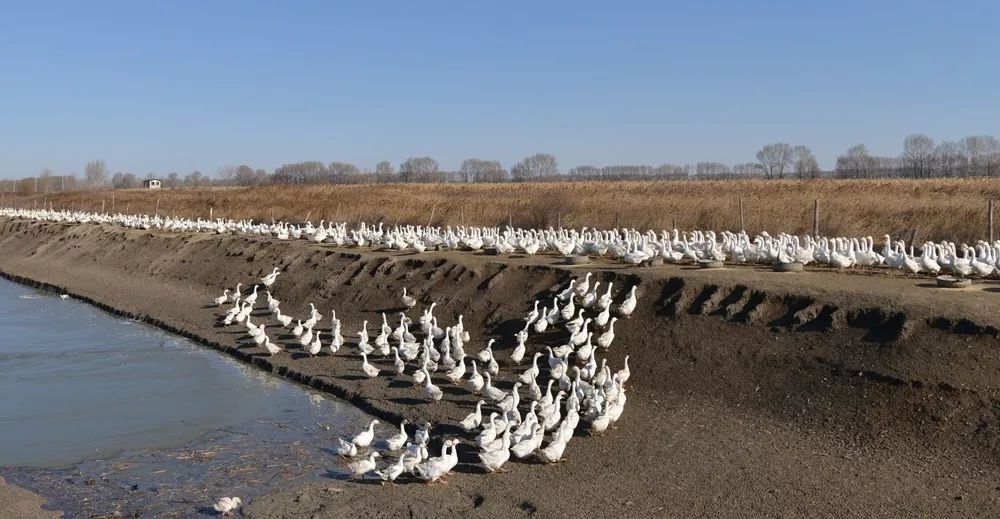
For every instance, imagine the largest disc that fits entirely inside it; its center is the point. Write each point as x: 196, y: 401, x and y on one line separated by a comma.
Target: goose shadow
x: 469, y: 466
x: 352, y: 377
x: 396, y: 383
x: 390, y: 311
x: 207, y: 511
x: 408, y: 401
x: 453, y: 390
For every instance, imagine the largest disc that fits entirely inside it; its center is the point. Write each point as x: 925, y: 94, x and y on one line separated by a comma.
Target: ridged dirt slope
x: 843, y: 365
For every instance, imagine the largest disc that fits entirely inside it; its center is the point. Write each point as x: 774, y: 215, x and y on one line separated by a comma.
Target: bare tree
x: 385, y: 168
x: 246, y: 176
x: 339, y: 171
x: 539, y: 165
x: 419, y: 169
x: 746, y: 169
x: 804, y: 162
x: 950, y: 160
x: 670, y: 171
x: 983, y: 155
x: 918, y: 155
x: 96, y: 173
x: 225, y: 174
x: 173, y: 181
x: 195, y: 179
x: 774, y: 159
x: 856, y: 163
x: 584, y: 172
x: 707, y: 170
x: 479, y: 170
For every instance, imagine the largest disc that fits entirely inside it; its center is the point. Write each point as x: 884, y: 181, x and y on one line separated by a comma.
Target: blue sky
x: 185, y: 85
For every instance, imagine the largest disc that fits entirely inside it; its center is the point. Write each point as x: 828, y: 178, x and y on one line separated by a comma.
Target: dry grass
x: 952, y: 209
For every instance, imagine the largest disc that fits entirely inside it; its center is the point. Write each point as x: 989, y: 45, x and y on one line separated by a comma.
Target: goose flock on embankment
x: 578, y: 391
x: 629, y: 246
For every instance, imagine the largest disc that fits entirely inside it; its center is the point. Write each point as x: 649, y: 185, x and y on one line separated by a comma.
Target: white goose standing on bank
x: 272, y: 349
x: 315, y: 346
x: 408, y: 301
x: 474, y: 418
x: 369, y: 370
x: 365, y: 437
x: 269, y: 279
x: 433, y: 392
x: 396, y: 441
x: 235, y: 295
x: 363, y: 467
x: 221, y: 300
x: 605, y: 339
x: 628, y: 305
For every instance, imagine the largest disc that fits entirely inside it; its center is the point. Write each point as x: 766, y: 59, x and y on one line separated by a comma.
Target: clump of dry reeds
x: 935, y: 209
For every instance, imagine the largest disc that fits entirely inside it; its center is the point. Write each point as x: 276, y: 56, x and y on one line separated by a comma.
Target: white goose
x: 628, y: 305
x: 365, y: 437
x: 493, y: 460
x: 390, y: 473
x: 221, y: 300
x: 433, y: 392
x: 284, y: 320
x: 271, y: 348
x: 315, y: 346
x: 475, y: 382
x: 369, y: 370
x: 493, y: 393
x: 363, y: 467
x: 456, y: 373
x: 474, y: 418
x: 396, y: 441
x: 269, y: 279
x: 346, y: 449
x: 227, y: 505
x: 517, y: 355
x: 408, y: 301
x: 605, y: 339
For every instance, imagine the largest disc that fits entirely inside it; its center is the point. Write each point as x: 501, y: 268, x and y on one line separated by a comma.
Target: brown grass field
x: 954, y: 209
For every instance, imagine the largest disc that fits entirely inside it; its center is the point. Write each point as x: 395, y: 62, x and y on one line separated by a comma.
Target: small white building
x: 152, y: 183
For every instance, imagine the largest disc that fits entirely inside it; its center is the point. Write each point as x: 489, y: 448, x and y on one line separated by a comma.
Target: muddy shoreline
x: 753, y: 393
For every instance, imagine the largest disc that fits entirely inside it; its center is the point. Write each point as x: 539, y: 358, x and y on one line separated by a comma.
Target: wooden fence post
x: 431, y: 219
x: 102, y: 206
x: 616, y: 220
x: 210, y: 211
x: 156, y: 212
x: 816, y: 218
x: 991, y: 220
x: 743, y: 225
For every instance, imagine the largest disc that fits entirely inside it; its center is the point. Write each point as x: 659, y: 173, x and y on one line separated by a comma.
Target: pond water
x: 102, y: 414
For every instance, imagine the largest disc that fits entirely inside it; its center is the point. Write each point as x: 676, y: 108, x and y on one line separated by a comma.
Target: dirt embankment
x: 753, y: 393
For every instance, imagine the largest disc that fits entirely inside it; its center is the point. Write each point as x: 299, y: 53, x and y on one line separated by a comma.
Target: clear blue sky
x: 184, y: 85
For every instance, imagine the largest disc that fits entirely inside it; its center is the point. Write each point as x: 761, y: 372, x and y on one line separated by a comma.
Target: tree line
x: 974, y: 156
x: 921, y: 157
